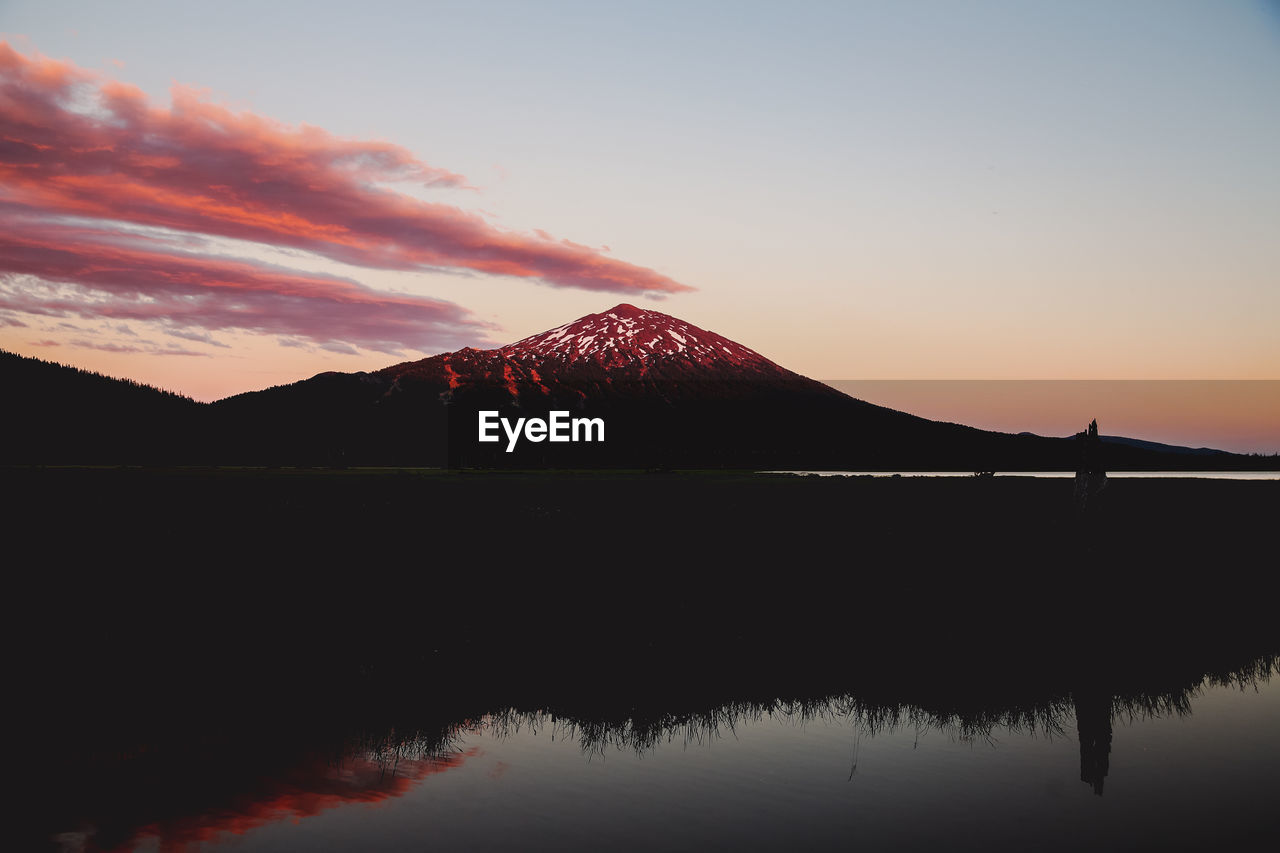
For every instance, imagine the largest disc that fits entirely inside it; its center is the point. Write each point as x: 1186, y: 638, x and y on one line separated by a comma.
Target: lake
x: 1195, y: 767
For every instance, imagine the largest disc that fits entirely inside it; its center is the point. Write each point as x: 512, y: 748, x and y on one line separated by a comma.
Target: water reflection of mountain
x: 207, y: 777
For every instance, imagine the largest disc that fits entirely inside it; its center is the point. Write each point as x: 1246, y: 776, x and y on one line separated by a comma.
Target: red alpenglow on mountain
x: 626, y: 335
x: 624, y: 345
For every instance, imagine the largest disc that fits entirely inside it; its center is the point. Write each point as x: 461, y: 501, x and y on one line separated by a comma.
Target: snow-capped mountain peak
x: 625, y: 335
x: 622, y: 352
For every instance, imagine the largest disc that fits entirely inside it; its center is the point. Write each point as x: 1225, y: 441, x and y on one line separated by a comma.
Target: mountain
x: 631, y: 342
x: 670, y: 394
x: 659, y: 392
x: 623, y: 352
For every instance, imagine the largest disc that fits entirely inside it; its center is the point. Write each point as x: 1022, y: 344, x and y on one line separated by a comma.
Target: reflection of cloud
x: 305, y: 791
x: 76, y: 144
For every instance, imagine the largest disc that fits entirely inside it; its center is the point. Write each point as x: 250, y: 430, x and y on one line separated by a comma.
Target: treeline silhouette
x: 56, y: 414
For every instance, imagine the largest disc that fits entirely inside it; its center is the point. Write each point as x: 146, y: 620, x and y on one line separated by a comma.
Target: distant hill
x: 1155, y: 445
x: 1162, y: 448
x: 60, y: 414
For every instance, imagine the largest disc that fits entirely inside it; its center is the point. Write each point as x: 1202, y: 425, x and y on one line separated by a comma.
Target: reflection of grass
x: 1045, y: 716
x: 1249, y: 675
x: 388, y: 747
x: 1139, y: 704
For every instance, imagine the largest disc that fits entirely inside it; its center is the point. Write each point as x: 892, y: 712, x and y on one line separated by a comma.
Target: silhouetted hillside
x: 60, y: 414
x: 1161, y: 447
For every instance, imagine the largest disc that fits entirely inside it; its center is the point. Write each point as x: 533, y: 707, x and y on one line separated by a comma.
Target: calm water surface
x: 1197, y: 769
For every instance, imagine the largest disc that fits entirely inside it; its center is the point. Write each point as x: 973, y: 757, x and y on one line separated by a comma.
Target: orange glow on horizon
x: 1238, y: 415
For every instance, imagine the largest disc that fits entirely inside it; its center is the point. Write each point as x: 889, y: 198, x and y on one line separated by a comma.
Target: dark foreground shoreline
x: 332, y: 568
x: 179, y: 635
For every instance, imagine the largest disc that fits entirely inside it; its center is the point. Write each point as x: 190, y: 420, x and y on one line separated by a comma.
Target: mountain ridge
x: 672, y: 394
x: 623, y: 344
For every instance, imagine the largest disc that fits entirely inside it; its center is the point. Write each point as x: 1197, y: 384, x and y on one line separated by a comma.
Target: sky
x: 219, y: 198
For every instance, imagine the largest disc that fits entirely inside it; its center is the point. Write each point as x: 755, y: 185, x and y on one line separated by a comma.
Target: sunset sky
x: 215, y: 198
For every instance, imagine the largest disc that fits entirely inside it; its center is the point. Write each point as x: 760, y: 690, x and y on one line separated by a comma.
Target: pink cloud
x: 129, y: 348
x: 74, y: 143
x: 75, y: 272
